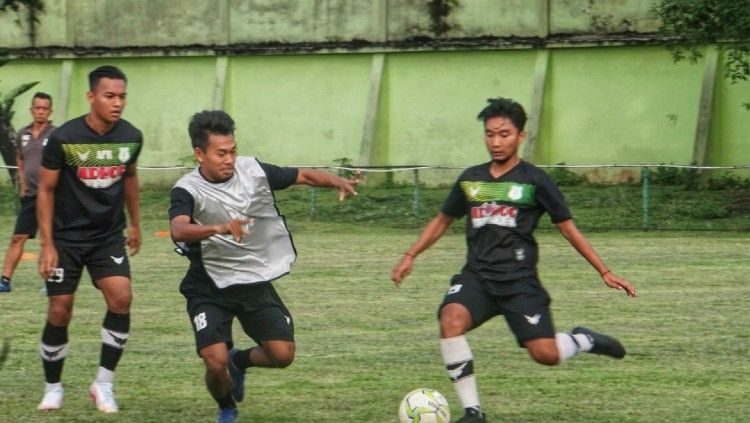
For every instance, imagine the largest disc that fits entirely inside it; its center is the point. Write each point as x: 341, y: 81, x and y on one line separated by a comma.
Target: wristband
x: 410, y: 254
x: 608, y: 271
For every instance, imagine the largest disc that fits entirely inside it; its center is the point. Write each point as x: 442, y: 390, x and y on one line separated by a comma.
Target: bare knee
x: 215, y: 359
x: 455, y: 320
x: 59, y: 312
x: 18, y: 240
x: 543, y: 351
x: 280, y: 355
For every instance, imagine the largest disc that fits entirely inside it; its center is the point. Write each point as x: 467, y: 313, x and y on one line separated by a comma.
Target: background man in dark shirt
x: 504, y: 200
x: 29, y: 143
x: 87, y: 177
x: 224, y: 217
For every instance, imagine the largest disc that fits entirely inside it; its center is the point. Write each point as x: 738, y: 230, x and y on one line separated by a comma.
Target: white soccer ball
x: 424, y: 405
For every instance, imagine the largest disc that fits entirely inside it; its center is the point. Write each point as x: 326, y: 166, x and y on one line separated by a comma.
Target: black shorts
x: 101, y: 261
x: 258, y: 307
x: 523, y: 302
x: 26, y: 220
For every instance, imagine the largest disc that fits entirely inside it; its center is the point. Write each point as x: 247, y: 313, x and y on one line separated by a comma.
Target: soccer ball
x: 424, y: 405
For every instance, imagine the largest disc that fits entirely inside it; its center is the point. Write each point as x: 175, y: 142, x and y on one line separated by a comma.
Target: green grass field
x: 363, y: 344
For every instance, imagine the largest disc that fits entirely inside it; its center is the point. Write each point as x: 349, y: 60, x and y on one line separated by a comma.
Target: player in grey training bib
x: 223, y: 217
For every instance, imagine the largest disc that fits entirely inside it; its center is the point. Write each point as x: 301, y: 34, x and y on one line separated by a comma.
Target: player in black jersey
x: 504, y: 200
x: 88, y: 176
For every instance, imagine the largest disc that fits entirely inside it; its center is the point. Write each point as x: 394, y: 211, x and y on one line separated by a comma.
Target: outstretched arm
x: 569, y: 230
x: 318, y: 178
x: 431, y: 233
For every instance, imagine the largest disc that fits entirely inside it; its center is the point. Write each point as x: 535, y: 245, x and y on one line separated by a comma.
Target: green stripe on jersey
x: 99, y: 154
x: 484, y: 191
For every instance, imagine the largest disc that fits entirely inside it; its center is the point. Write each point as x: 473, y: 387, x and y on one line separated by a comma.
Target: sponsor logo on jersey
x: 494, y: 214
x: 99, y: 165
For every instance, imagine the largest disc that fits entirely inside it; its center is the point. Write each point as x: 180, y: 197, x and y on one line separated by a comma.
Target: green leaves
x: 693, y: 24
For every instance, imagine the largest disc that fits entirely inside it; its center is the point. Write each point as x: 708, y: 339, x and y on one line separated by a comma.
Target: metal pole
x: 645, y: 195
x: 416, y: 197
x: 313, y: 203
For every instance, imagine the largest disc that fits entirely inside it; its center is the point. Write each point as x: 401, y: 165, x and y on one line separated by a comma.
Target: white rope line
x: 377, y: 169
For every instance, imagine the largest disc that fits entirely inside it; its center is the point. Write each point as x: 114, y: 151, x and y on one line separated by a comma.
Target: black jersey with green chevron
x: 89, y: 198
x: 502, y: 214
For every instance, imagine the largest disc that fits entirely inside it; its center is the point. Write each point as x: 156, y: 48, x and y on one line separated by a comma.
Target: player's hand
x: 346, y: 188
x: 402, y: 269
x: 48, y: 261
x: 236, y: 227
x: 134, y: 239
x: 616, y: 282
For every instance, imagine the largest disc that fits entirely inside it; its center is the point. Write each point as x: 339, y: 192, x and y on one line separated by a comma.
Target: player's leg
x: 61, y: 287
x: 270, y: 324
x: 212, y: 327
x: 465, y: 306
x: 528, y: 314
x: 26, y: 228
x: 12, y: 256
x: 110, y: 273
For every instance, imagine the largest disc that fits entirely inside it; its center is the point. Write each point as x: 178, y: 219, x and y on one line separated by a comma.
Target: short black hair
x: 42, y: 95
x: 209, y: 122
x: 504, y: 107
x: 106, y: 71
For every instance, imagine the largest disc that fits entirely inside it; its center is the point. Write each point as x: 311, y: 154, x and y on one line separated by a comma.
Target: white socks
x: 568, y: 345
x: 460, y: 365
x: 105, y: 376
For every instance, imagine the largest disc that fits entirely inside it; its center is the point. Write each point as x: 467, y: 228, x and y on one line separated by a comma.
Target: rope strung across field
x: 409, y: 168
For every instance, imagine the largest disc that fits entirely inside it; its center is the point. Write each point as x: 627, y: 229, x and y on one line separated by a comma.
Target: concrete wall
x: 114, y: 24
x: 394, y: 103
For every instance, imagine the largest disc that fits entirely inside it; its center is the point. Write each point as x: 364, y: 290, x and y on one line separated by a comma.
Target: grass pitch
x: 363, y: 344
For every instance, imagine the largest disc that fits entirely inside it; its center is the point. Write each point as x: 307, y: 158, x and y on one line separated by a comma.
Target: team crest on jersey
x: 124, y: 155
x: 515, y: 192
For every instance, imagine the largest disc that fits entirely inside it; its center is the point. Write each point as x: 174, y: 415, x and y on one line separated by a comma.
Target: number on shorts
x: 57, y: 275
x: 200, y: 321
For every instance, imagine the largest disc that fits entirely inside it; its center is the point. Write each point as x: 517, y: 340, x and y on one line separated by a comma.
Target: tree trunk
x: 8, y: 148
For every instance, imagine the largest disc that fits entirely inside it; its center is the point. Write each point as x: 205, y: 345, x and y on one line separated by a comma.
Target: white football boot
x: 52, y: 400
x: 103, y: 397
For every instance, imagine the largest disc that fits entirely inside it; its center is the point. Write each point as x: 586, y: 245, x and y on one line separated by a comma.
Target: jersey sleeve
x: 455, y: 204
x: 181, y: 203
x: 552, y: 200
x: 279, y: 177
x: 140, y: 147
x: 52, y: 153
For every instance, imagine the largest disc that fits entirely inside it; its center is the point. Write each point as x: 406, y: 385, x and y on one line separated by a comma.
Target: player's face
x: 502, y: 139
x: 217, y: 162
x: 108, y: 99
x: 40, y: 110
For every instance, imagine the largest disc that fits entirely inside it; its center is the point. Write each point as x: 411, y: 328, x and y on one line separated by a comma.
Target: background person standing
x: 29, y: 143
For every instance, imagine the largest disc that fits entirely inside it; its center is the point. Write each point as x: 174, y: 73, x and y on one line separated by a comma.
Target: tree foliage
x: 693, y: 24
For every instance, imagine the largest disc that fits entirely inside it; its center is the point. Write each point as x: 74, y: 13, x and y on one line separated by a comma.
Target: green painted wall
x: 297, y: 76
x: 432, y: 99
x: 601, y: 105
x: 303, y: 110
x: 619, y: 105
